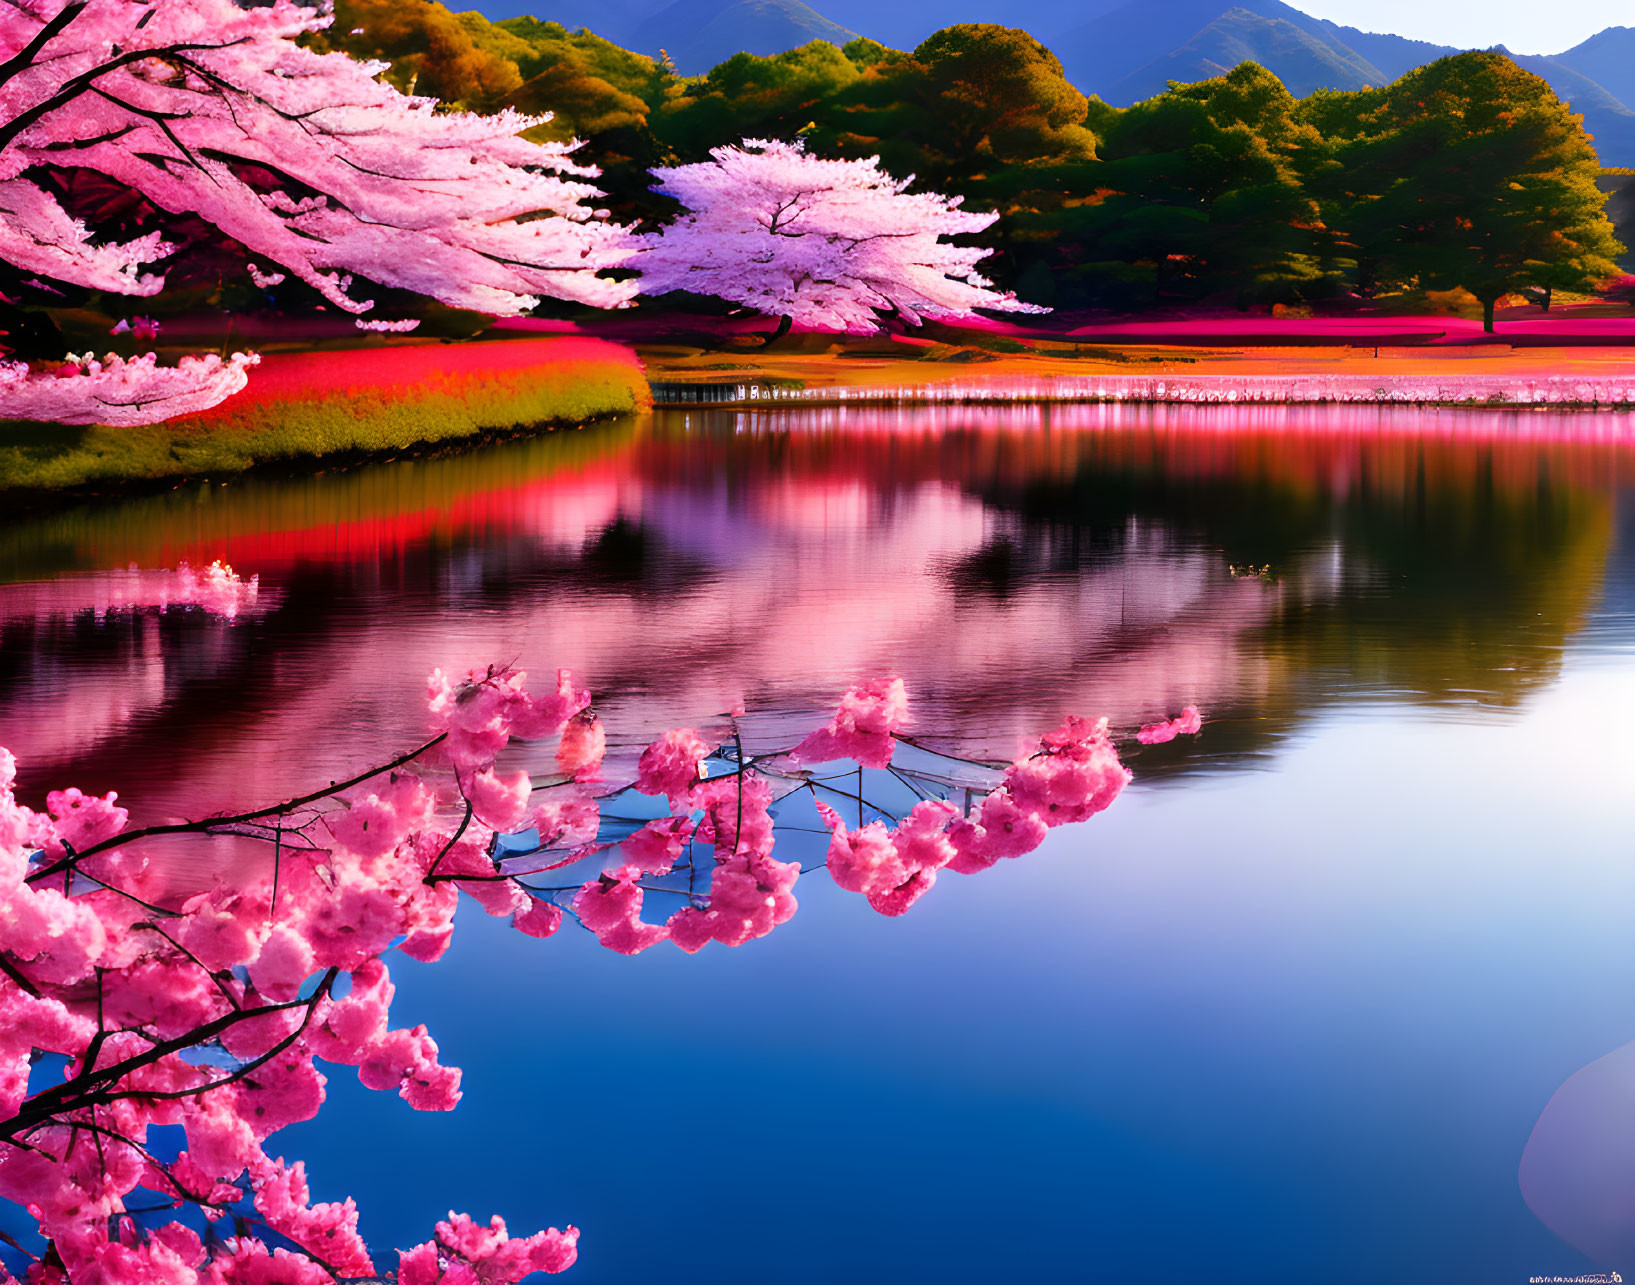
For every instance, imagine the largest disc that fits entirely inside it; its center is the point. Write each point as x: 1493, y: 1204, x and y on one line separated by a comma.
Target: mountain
x: 1607, y: 118
x: 1120, y: 50
x: 1302, y: 61
x: 1609, y: 60
x: 697, y: 34
x: 617, y: 20
x: 1115, y: 45
x: 1130, y: 52
x: 1394, y: 55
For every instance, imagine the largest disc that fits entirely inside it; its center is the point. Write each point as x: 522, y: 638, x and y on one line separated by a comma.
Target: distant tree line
x: 1467, y: 173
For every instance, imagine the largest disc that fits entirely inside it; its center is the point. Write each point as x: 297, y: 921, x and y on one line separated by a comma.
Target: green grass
x: 352, y: 422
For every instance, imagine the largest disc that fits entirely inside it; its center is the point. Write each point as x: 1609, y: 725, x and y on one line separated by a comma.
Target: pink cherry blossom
x: 380, y: 186
x: 121, y: 392
x: 540, y: 919
x: 657, y: 846
x: 281, y: 980
x: 584, y: 742
x: 1074, y: 774
x: 406, y: 1060
x: 80, y: 820
x: 671, y: 765
x: 1189, y: 723
x: 481, y: 712
x: 610, y: 906
x: 750, y: 895
x: 329, y: 1229
x: 827, y: 243
x: 863, y: 728
x: 499, y: 802
x: 892, y: 868
x: 375, y: 824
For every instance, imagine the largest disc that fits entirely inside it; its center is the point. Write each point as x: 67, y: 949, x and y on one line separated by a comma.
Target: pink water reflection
x: 1011, y: 563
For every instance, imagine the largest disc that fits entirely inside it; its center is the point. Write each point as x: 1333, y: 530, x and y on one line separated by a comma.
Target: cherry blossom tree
x: 213, y: 1010
x: 825, y: 244
x: 210, y: 110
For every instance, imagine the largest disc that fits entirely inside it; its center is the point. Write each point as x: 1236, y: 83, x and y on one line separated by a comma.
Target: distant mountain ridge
x: 1609, y: 60
x: 1123, y: 50
x: 1302, y: 61
x: 698, y: 34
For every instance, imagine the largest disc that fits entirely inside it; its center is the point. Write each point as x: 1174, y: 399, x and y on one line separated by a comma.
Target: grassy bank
x: 348, y: 404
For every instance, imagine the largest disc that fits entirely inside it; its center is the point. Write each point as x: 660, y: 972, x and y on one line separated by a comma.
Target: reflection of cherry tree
x: 216, y: 589
x: 211, y: 1010
x: 849, y: 549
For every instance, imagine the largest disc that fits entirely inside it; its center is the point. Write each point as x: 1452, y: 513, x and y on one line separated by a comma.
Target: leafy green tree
x: 1197, y: 191
x: 431, y: 51
x: 1467, y: 173
x: 748, y: 96
x: 981, y: 111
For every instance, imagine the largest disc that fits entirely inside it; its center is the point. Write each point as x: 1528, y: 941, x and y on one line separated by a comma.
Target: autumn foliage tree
x: 826, y: 244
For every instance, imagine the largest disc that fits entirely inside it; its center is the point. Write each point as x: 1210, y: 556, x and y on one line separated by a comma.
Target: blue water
x: 1288, y: 1012
x: 1287, y: 1025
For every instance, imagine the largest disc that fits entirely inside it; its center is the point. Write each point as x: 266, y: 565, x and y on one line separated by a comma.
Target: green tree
x: 1468, y: 172
x: 1195, y: 192
x: 431, y: 51
x: 749, y: 96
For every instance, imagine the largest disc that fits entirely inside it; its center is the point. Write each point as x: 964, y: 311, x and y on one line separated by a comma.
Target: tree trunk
x: 1487, y: 314
x: 783, y: 329
x: 1549, y: 295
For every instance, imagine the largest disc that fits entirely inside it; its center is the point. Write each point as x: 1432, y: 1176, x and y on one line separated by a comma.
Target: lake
x: 1289, y: 1011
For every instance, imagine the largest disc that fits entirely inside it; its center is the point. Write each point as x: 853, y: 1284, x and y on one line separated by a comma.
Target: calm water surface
x: 1290, y: 1011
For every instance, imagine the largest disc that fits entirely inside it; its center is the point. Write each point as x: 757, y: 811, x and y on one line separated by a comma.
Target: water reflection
x: 1009, y: 562
x: 1296, y: 1025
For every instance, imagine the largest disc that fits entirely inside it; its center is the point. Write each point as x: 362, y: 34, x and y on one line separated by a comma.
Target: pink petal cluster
x: 217, y: 589
x: 611, y: 906
x: 1189, y: 723
x: 467, y: 1253
x: 827, y: 243
x: 892, y: 868
x: 120, y: 392
x: 1074, y: 774
x: 272, y: 979
x: 484, y: 710
x: 750, y: 892
x: 672, y: 765
x: 327, y: 1230
x: 584, y: 743
x: 863, y: 728
x: 657, y: 846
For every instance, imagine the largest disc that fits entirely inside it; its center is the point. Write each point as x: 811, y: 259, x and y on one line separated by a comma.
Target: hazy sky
x: 1525, y: 26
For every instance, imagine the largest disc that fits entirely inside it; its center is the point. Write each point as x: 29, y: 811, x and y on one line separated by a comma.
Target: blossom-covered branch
x: 213, y: 1010
x: 309, y: 160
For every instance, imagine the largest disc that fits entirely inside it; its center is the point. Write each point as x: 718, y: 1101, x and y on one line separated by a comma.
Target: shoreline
x: 315, y: 411
x: 323, y: 410
x: 1552, y: 392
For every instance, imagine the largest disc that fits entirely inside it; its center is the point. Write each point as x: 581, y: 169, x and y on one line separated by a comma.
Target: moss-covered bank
x: 351, y: 403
